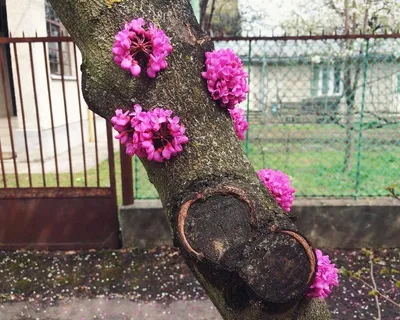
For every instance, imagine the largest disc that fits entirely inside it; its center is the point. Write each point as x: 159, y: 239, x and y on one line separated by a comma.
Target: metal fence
x: 57, y: 170
x: 323, y: 109
x: 48, y: 136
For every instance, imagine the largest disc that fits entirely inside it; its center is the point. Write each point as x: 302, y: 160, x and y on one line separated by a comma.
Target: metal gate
x: 57, y: 183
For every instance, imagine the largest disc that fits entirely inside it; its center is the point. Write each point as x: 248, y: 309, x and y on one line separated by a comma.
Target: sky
x: 267, y: 15
x: 271, y: 14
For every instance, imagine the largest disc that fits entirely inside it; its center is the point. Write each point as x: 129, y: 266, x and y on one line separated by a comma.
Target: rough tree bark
x: 242, y: 247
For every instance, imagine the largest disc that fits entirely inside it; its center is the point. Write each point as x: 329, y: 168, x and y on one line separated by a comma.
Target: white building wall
x: 292, y: 84
x: 287, y: 83
x: 29, y: 18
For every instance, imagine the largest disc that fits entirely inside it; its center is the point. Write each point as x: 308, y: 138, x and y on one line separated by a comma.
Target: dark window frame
x: 55, y: 28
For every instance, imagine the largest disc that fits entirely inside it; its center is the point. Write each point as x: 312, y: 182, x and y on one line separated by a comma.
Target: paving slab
x: 115, y: 309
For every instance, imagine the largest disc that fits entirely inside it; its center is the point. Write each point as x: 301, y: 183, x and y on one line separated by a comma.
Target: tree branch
x: 208, y: 28
x: 203, y: 13
x: 253, y: 263
x: 378, y: 307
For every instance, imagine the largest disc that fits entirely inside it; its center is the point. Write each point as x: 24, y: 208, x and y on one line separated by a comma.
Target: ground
x: 128, y: 284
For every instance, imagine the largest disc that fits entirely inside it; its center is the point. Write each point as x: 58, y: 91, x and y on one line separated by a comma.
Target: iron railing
x: 57, y: 182
x: 48, y: 138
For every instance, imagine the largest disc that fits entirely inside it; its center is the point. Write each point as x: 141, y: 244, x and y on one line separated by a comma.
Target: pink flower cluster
x: 136, y: 46
x: 239, y: 121
x: 325, y: 279
x: 279, y: 186
x: 154, y: 134
x: 226, y: 78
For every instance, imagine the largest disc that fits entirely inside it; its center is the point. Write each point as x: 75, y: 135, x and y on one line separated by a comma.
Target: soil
x: 161, y: 275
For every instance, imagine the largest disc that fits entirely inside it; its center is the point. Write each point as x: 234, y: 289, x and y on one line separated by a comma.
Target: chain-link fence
x: 325, y: 110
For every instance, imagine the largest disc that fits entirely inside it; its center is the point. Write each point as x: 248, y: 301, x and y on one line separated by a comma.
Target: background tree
x: 346, y: 17
x: 242, y: 247
x: 220, y: 17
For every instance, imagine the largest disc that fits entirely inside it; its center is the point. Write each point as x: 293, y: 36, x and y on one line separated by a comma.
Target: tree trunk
x: 242, y: 247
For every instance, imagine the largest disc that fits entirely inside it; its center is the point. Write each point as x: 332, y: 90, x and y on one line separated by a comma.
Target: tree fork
x: 243, y: 248
x: 270, y: 261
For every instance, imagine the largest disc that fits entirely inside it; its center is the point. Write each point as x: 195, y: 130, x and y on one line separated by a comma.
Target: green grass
x: 312, y: 155
x: 313, y: 131
x: 316, y: 169
x: 78, y: 179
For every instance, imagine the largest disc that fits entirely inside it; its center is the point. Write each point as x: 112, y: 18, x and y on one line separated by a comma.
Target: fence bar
x: 51, y: 114
x: 65, y: 112
x: 126, y: 176
x: 310, y: 37
x: 3, y: 77
x: 136, y: 176
x: 361, y: 119
x: 235, y: 38
x: 3, y: 171
x: 21, y: 100
x: 4, y: 40
x: 96, y: 150
x: 80, y: 115
x: 111, y: 163
x: 248, y: 101
x: 37, y: 113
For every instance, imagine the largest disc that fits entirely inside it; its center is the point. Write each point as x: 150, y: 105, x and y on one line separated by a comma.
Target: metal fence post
x: 248, y: 101
x: 126, y: 176
x: 366, y: 57
x: 136, y: 178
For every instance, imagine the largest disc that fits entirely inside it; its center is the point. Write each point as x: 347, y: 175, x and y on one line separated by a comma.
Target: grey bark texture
x: 242, y: 247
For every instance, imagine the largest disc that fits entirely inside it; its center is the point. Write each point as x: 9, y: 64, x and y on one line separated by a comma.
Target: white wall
x: 293, y: 84
x: 7, y: 93
x: 29, y: 16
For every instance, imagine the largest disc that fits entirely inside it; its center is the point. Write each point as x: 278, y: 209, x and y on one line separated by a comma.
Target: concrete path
x: 116, y: 309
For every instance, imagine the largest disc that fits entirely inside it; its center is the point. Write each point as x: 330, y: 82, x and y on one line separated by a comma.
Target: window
x: 326, y: 80
x: 398, y: 83
x: 315, y: 80
x: 56, y: 29
x: 336, y: 78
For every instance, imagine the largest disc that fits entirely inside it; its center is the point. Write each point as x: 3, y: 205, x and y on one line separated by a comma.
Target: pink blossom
x: 121, y: 122
x: 136, y: 46
x: 155, y: 134
x: 325, y: 279
x: 279, y: 186
x: 226, y: 78
x: 239, y: 121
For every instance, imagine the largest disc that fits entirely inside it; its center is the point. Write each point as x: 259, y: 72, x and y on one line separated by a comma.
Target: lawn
x: 315, y: 171
x: 95, y: 178
x: 312, y: 155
